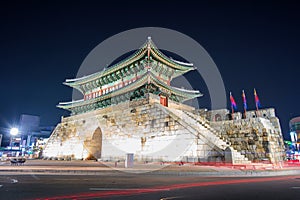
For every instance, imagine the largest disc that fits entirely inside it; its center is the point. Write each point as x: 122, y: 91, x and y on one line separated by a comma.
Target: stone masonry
x: 153, y: 132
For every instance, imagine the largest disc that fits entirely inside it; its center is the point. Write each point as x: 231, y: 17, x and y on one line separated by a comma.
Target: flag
x: 233, y: 104
x: 257, y: 103
x: 244, y: 100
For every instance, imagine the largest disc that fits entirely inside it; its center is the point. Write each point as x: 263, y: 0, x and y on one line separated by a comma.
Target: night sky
x: 254, y: 45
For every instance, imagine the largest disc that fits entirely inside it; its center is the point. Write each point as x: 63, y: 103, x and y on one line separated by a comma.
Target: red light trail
x: 122, y: 192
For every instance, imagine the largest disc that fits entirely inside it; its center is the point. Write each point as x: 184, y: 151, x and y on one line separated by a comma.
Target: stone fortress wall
x: 258, y: 136
x: 137, y: 127
x: 174, y: 133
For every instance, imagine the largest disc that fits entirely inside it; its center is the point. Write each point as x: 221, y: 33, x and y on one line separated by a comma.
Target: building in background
x: 0, y: 140
x: 32, y: 134
x: 28, y: 126
x: 295, y: 137
x: 30, y: 138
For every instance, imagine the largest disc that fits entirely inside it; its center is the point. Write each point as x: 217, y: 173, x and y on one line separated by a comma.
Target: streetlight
x: 13, y: 132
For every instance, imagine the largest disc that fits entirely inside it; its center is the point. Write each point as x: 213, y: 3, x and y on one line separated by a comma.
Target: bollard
x: 129, y: 160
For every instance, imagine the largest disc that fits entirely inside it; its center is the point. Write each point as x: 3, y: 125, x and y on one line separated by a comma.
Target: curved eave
x: 128, y: 61
x: 129, y: 87
x: 182, y: 63
x: 185, y: 94
x: 168, y: 61
x: 77, y: 87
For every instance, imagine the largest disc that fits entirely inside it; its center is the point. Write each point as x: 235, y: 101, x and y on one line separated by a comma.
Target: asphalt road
x: 132, y: 186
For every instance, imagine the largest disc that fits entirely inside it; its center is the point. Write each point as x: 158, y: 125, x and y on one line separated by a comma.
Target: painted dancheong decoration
x: 131, y: 107
x: 146, y: 71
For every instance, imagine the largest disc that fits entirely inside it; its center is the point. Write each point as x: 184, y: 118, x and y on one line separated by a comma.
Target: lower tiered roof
x: 148, y: 83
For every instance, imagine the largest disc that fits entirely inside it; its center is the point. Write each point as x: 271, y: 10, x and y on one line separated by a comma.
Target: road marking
x: 14, y: 180
x: 167, y: 198
x: 296, y: 187
x: 125, y: 189
x: 35, y: 177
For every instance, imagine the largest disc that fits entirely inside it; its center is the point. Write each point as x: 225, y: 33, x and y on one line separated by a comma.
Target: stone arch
x: 218, y: 118
x: 229, y: 155
x: 94, y: 145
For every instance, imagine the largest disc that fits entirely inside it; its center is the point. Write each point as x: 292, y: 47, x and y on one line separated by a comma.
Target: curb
x: 138, y: 172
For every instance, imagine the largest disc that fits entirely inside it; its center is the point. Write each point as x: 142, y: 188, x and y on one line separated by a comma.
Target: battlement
x: 224, y: 114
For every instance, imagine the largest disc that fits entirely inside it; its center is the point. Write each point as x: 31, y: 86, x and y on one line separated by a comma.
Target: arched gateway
x: 94, y: 145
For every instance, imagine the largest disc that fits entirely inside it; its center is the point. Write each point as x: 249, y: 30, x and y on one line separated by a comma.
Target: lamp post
x: 13, y: 132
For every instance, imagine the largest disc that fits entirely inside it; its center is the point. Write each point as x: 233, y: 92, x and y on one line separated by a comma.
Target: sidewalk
x: 100, y: 168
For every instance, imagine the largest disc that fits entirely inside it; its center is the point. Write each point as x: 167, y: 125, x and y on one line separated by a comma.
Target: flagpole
x: 232, y: 112
x: 257, y: 113
x: 244, y: 101
x: 255, y: 94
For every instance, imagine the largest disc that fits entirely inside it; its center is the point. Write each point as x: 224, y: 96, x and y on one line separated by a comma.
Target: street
x: 143, y: 186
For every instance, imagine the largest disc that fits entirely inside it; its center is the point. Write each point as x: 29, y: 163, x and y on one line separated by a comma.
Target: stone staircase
x: 204, y: 122
x: 202, y: 130
x: 238, y: 157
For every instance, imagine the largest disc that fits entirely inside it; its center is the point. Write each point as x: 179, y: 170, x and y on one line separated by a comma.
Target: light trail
x: 132, y: 191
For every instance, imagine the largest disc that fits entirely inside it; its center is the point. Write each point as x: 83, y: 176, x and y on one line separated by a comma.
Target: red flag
x: 257, y: 102
x: 233, y: 104
x: 244, y: 100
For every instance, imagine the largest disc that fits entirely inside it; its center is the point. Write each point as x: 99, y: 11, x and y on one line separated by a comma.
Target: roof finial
x: 149, y: 49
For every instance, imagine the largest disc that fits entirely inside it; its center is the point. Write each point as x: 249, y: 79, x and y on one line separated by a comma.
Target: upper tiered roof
x: 169, y: 68
x: 147, y: 68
